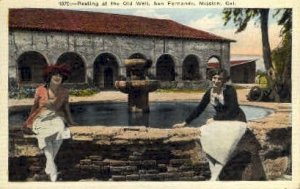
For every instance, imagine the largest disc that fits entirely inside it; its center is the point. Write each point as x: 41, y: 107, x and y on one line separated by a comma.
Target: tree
x: 282, y: 55
x: 241, y: 18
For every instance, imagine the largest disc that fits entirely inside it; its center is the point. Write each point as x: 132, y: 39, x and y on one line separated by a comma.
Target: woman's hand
x: 50, y: 103
x: 209, y: 120
x: 72, y: 123
x: 179, y: 125
x: 27, y: 131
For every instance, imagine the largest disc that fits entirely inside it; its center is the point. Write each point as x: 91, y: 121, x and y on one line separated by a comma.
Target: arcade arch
x: 165, y: 68
x: 105, y: 70
x: 30, y: 67
x: 190, y: 69
x: 77, y: 66
x: 212, y: 63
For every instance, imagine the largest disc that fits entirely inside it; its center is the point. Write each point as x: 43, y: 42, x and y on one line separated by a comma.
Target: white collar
x: 220, y: 97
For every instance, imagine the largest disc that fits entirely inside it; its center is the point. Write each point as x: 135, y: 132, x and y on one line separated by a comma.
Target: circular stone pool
x: 162, y: 115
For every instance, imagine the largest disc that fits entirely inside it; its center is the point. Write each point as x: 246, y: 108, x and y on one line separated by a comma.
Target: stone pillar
x: 122, y: 71
x: 178, y: 71
x: 90, y: 75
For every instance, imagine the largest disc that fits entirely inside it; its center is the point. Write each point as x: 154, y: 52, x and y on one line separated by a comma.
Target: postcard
x: 160, y: 93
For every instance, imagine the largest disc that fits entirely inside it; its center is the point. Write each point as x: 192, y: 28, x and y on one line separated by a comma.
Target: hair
x: 51, y: 70
x: 219, y: 71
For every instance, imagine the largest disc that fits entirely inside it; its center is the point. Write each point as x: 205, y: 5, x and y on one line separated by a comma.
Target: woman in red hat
x: 50, y: 114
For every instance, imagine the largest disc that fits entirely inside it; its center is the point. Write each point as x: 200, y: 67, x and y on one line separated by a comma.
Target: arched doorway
x: 75, y: 62
x: 190, y: 70
x: 30, y: 67
x: 105, y: 71
x: 108, y: 78
x: 165, y: 68
x: 212, y: 63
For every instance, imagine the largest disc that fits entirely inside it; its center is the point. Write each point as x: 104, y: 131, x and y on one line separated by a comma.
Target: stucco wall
x: 88, y: 46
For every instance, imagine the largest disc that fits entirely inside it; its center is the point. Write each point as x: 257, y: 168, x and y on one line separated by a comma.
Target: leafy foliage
x: 83, y: 92
x: 282, y: 55
x: 26, y: 92
x: 240, y: 17
x: 281, y: 83
x: 285, y: 20
x: 29, y: 91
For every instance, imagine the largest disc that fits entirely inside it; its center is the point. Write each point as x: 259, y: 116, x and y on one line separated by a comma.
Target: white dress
x: 220, y: 138
x: 47, y: 124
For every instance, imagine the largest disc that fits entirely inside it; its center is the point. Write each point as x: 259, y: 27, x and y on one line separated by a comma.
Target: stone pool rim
x: 279, y: 118
x: 17, y: 108
x: 26, y: 106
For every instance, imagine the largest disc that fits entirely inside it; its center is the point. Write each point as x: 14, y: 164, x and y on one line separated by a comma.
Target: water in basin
x: 162, y: 115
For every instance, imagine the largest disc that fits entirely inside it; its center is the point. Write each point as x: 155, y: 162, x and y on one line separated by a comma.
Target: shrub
x: 83, y: 92
x: 26, y: 92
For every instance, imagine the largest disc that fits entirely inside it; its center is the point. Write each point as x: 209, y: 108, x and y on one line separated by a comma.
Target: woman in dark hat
x: 220, y: 135
x: 50, y: 114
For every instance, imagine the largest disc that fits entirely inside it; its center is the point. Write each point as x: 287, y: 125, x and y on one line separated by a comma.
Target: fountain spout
x: 137, y: 86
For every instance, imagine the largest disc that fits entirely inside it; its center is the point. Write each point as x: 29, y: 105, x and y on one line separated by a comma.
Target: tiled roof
x: 103, y: 23
x: 232, y: 63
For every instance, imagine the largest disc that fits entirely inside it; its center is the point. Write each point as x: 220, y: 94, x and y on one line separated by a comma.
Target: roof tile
x: 232, y: 63
x: 103, y: 23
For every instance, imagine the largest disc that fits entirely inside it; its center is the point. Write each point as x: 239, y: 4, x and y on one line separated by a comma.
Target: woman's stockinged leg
x: 215, y: 168
x: 215, y: 171
x: 55, y: 148
x: 51, y: 151
x: 50, y: 164
x: 48, y: 151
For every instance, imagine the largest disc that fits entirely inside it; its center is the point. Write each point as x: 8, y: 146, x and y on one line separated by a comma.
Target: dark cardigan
x: 229, y: 111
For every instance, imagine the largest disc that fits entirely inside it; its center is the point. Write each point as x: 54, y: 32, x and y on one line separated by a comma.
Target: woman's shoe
x: 53, y: 177
x: 40, y: 177
x: 47, y: 171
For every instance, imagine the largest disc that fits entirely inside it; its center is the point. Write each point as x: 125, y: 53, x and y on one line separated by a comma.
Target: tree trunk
x: 273, y: 85
x: 264, y: 16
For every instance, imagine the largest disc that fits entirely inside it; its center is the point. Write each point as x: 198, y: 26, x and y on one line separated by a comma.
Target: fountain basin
x: 138, y: 93
x: 162, y: 114
x: 137, y: 85
x: 136, y: 63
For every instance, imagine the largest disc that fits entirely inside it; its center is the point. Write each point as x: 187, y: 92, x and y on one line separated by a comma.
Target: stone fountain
x: 137, y: 86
